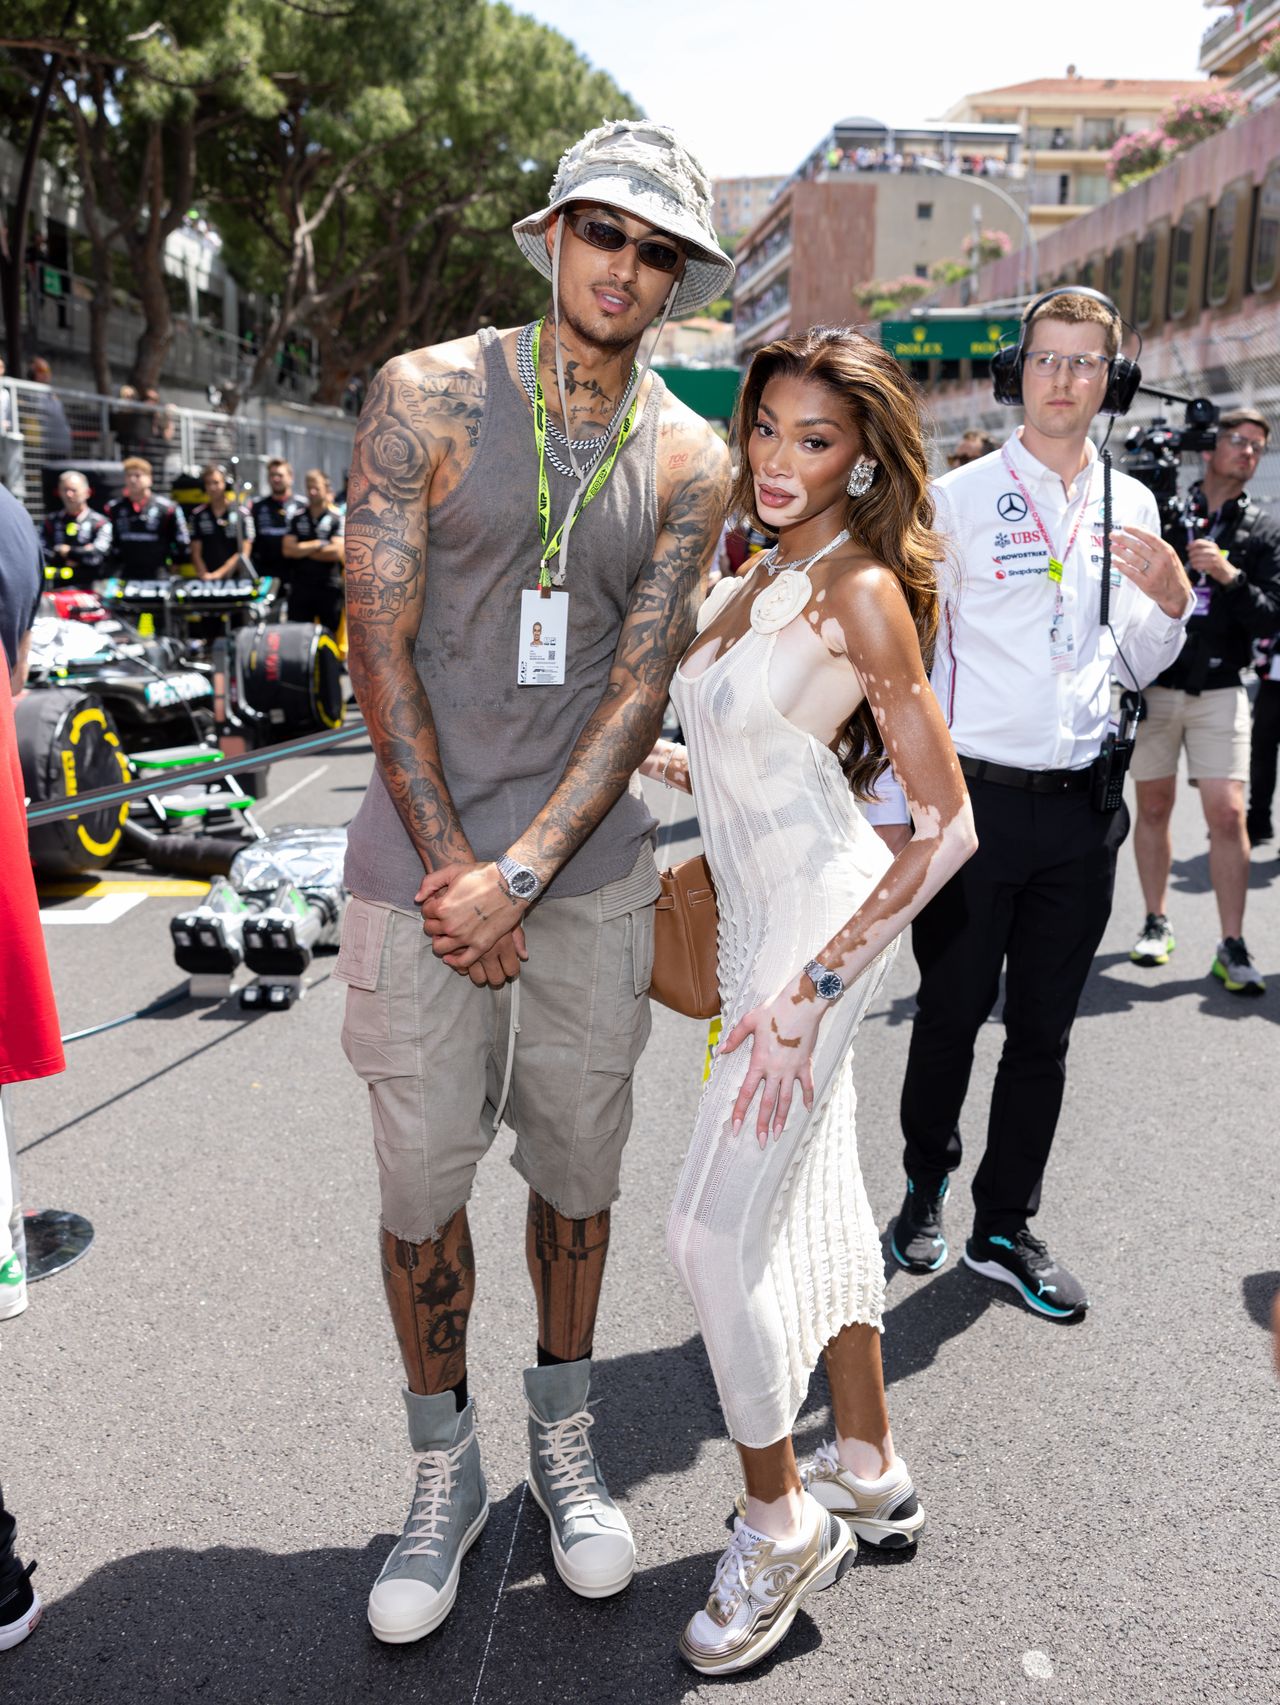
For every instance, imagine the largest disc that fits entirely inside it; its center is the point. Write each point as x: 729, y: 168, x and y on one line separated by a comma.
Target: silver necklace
x: 587, y: 450
x: 774, y: 567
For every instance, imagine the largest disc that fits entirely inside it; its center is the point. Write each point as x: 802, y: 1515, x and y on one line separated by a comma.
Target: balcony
x: 1227, y: 46
x: 763, y: 255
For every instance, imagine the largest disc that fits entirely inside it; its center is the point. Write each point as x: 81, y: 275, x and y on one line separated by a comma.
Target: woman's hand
x: 668, y: 763
x: 783, y: 1036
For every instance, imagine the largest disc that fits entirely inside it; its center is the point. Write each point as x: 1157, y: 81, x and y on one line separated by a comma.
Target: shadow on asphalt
x: 231, y: 1624
x: 1105, y: 994
x: 1260, y: 1291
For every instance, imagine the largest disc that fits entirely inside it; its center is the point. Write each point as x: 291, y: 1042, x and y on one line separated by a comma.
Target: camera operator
x: 1023, y: 671
x: 1198, y: 703
x: 77, y: 540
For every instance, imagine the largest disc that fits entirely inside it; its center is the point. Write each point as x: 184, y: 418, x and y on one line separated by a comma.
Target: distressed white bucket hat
x: 640, y: 168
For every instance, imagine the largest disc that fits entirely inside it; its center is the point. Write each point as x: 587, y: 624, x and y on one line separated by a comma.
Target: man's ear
x: 549, y: 234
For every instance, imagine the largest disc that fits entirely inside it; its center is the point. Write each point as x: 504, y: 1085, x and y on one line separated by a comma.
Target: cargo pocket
x: 364, y: 966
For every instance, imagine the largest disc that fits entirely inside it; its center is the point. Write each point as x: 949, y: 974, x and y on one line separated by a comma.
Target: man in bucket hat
x: 498, y: 944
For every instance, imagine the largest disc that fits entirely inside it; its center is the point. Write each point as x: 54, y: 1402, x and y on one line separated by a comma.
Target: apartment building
x: 1231, y: 47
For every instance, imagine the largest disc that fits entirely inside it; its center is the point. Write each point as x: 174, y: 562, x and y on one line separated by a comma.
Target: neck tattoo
x: 587, y: 450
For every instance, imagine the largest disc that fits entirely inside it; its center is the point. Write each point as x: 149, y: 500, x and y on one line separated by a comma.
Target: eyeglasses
x: 613, y: 239
x: 1238, y: 441
x: 1045, y: 362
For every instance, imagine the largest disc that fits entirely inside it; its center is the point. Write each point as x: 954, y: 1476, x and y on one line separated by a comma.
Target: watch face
x: 523, y: 883
x: 829, y: 985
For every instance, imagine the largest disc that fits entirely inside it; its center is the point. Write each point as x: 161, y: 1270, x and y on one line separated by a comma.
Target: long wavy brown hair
x: 894, y: 521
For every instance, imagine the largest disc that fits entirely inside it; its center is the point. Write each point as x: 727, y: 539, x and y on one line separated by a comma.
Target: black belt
x: 1033, y: 781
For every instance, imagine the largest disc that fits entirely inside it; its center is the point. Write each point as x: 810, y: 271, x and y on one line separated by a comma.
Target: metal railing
x: 45, y: 429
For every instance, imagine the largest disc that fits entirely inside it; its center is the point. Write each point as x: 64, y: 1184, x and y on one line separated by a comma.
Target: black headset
x: 1123, y: 376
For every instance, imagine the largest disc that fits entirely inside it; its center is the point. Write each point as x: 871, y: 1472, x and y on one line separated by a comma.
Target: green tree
x: 375, y: 208
x: 136, y: 97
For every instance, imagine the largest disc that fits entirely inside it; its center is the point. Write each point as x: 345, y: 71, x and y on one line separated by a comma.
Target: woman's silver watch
x: 828, y: 984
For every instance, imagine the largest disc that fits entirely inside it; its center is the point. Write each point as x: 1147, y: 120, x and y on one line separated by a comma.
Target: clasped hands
x: 474, y: 924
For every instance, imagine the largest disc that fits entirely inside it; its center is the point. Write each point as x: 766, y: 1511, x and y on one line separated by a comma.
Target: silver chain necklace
x: 774, y: 567
x: 588, y: 450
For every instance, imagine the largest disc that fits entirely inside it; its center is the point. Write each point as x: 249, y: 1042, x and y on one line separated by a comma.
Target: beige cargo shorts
x: 433, y: 1049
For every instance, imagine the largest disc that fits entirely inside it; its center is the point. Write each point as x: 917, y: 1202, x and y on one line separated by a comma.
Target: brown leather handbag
x: 685, y: 959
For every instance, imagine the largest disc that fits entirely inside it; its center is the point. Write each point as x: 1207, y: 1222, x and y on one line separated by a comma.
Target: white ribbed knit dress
x: 777, y: 1246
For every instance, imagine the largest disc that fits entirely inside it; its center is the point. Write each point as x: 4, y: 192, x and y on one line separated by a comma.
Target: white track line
x: 261, y: 810
x: 515, y: 1528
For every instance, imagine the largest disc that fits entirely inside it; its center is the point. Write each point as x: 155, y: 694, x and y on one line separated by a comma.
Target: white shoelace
x: 731, y: 1583
x: 571, y: 1469
x: 434, y: 1472
x: 826, y: 1460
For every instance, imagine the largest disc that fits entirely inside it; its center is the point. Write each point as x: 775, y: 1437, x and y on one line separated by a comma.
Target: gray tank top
x: 504, y: 747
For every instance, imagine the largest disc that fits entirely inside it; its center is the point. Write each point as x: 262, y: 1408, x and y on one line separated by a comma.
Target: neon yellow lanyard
x: 597, y: 481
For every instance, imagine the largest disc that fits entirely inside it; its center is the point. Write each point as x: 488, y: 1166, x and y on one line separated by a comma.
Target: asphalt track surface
x: 202, y: 1429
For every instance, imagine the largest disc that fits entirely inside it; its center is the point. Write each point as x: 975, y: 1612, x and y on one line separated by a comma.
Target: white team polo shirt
x: 998, y: 670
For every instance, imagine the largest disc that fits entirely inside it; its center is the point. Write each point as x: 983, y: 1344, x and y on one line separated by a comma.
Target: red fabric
x: 30, y: 1044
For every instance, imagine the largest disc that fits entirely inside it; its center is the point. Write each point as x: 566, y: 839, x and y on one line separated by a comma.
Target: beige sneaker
x: 884, y: 1512
x: 758, y: 1587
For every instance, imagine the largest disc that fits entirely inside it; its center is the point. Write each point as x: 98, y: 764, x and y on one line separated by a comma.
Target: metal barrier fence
x: 45, y: 429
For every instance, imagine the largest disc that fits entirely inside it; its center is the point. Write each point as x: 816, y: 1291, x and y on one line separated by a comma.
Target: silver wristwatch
x: 829, y: 984
x: 520, y: 882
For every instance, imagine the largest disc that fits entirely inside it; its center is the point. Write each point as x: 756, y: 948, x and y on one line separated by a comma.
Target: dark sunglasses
x: 612, y: 239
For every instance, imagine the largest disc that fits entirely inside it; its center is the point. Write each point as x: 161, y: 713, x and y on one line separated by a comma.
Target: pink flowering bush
x: 992, y: 245
x: 1137, y: 154
x: 1194, y: 118
x: 884, y: 297
x: 1190, y: 119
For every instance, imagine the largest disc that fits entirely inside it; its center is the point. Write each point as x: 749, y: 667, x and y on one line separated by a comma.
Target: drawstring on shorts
x: 513, y: 1030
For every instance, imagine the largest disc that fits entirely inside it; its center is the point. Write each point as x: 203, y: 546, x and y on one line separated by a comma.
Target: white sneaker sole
x: 14, y: 1633
x: 443, y: 1605
x: 574, y: 1578
x: 838, y: 1559
x: 884, y: 1535
x: 15, y: 1303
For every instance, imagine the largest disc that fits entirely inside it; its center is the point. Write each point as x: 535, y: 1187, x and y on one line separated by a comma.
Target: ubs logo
x: 1011, y: 507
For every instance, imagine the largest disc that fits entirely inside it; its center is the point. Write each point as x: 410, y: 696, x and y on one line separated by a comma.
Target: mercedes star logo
x: 1011, y: 507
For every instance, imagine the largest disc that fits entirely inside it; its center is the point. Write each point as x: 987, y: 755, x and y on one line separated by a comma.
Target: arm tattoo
x: 656, y: 632
x: 412, y: 448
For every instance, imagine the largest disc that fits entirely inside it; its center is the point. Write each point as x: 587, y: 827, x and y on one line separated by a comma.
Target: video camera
x: 1152, y: 452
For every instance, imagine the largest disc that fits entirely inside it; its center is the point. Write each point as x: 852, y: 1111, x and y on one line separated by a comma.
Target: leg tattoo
x: 566, y: 1263
x: 430, y: 1288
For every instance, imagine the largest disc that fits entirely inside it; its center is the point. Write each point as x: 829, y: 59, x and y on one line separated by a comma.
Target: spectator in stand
x: 221, y: 530
x: 314, y: 546
x: 76, y: 539
x: 130, y: 423
x: 52, y: 432
x: 272, y: 516
x: 972, y: 444
x: 148, y: 533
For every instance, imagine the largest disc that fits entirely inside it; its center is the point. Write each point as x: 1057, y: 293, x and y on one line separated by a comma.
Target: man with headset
x: 1025, y: 655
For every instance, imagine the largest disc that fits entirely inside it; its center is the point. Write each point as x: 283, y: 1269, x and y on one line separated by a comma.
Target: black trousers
x: 1034, y: 898
x: 1262, y: 755
x: 316, y: 603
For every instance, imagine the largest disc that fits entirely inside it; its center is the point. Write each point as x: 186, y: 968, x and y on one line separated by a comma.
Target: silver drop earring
x: 860, y: 477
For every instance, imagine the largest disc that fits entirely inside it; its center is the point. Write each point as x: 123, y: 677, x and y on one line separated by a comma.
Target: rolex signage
x: 946, y: 340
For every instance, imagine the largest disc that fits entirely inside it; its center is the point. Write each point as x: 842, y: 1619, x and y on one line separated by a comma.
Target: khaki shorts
x: 1213, y: 726
x: 433, y: 1049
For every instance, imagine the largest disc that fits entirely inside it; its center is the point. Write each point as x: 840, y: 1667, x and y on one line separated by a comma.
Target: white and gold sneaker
x: 884, y: 1512
x: 759, y: 1585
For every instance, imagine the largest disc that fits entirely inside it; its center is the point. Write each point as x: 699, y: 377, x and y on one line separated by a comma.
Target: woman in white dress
x: 807, y: 677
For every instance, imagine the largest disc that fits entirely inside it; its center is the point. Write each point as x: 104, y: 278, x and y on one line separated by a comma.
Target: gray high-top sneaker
x: 590, y: 1541
x: 419, y: 1580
